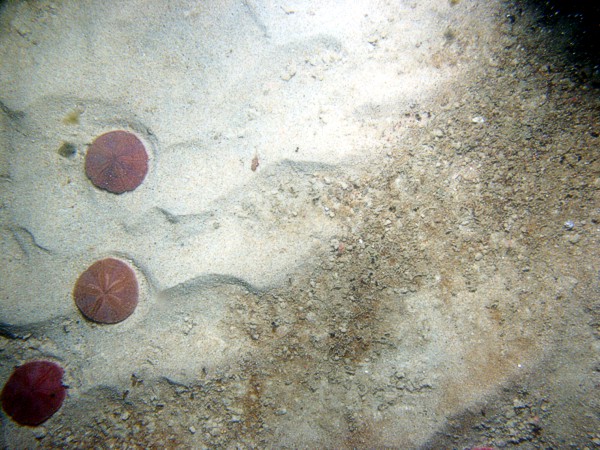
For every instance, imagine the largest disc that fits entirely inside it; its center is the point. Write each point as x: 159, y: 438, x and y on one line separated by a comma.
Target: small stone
x: 125, y: 415
x: 40, y: 432
x: 574, y: 239
x: 192, y: 429
x: 519, y: 404
x: 478, y: 256
x: 67, y: 150
x: 289, y: 72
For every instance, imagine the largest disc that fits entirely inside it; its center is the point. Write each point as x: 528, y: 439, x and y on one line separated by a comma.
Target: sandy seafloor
x: 414, y: 263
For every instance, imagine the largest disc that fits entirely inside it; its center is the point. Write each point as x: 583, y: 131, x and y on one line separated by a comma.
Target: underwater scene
x: 333, y: 224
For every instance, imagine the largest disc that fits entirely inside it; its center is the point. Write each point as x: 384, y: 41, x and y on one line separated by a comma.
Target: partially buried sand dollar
x: 107, y: 292
x: 34, y: 392
x: 116, y: 161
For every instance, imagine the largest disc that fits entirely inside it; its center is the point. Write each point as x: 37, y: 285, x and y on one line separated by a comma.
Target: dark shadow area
x: 574, y: 27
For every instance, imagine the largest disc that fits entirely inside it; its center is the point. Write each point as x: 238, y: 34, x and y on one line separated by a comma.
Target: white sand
x: 305, y: 86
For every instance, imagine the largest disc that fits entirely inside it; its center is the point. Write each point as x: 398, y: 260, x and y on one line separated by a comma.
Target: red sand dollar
x: 107, y: 292
x: 34, y: 392
x: 116, y: 161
